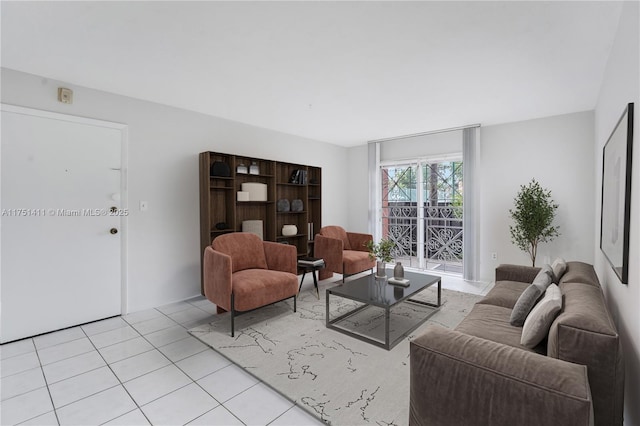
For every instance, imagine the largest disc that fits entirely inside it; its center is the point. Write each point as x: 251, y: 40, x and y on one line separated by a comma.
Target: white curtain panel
x: 374, y: 193
x: 470, y: 160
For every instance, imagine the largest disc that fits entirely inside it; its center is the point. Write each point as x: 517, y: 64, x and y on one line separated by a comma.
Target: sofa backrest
x: 580, y: 272
x: 246, y: 250
x: 584, y: 333
x: 338, y: 233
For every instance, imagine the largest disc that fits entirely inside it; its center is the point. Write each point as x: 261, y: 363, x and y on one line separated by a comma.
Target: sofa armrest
x: 329, y: 249
x: 217, y: 278
x: 281, y: 257
x: 357, y: 240
x: 458, y: 379
x: 520, y: 273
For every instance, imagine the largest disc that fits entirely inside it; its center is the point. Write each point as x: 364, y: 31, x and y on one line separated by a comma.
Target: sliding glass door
x: 421, y: 211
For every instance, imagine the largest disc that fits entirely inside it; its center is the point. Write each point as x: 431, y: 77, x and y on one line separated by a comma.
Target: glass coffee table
x: 372, y: 291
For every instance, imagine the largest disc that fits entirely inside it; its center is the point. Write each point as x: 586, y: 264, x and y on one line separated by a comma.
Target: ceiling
x: 339, y: 72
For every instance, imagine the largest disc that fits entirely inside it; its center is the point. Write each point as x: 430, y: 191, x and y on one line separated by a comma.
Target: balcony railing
x: 441, y: 242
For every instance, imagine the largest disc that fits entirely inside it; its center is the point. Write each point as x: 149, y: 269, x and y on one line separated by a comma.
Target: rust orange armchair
x: 242, y: 273
x: 343, y: 252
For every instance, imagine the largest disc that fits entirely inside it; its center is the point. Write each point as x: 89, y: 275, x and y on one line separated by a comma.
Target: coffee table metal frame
x: 418, y: 283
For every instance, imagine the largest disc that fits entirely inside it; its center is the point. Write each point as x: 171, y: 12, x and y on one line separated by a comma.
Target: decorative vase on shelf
x: 289, y: 230
x: 296, y: 205
x: 398, y: 271
x: 380, y: 269
x: 254, y: 169
x: 283, y: 205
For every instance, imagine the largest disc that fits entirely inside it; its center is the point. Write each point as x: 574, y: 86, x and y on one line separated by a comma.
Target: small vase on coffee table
x: 398, y: 271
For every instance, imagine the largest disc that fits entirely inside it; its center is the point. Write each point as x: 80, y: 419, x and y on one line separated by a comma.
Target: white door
x: 61, y: 252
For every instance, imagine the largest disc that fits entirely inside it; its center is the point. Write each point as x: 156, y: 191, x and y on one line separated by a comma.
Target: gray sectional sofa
x: 480, y: 374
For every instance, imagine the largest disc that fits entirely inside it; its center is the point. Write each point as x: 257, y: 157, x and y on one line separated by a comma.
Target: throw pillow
x: 536, y: 326
x: 559, y: 267
x: 544, y: 277
x: 524, y: 304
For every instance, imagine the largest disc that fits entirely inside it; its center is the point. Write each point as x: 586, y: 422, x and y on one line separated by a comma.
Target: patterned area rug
x: 339, y: 379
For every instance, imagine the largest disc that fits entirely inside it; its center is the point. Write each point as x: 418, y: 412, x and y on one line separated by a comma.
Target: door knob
x: 113, y: 231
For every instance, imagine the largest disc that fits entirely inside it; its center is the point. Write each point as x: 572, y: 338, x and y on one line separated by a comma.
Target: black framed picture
x: 615, y: 211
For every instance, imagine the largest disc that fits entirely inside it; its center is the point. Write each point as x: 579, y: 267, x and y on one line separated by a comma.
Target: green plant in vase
x: 381, y: 252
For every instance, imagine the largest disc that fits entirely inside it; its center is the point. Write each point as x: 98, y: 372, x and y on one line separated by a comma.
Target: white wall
x: 164, y: 142
x: 620, y: 86
x: 557, y: 152
x: 358, y: 201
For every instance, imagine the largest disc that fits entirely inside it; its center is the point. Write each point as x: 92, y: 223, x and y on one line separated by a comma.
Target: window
x: 417, y: 200
x: 422, y: 212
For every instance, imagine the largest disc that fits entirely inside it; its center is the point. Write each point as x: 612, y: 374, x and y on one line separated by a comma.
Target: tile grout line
x: 183, y: 372
x: 96, y: 350
x: 291, y: 408
x: 16, y: 355
x: 107, y: 364
x: 84, y: 372
x: 20, y: 372
x: 119, y: 381
x: 46, y: 382
x: 221, y: 404
x: 258, y: 381
x: 172, y: 362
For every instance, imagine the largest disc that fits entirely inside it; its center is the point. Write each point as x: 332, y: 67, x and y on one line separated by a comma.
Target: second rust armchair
x: 343, y: 252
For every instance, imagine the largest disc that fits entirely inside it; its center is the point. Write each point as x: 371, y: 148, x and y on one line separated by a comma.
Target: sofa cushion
x: 520, y: 273
x: 246, y: 250
x: 504, y: 293
x: 338, y: 233
x: 524, y: 305
x: 559, y: 267
x: 254, y: 288
x: 356, y: 261
x: 584, y: 333
x: 579, y: 272
x: 492, y: 323
x: 536, y: 326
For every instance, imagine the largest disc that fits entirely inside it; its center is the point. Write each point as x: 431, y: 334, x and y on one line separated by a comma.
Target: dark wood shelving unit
x: 219, y: 204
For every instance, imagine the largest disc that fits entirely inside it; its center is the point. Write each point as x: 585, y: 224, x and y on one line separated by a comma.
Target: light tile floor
x: 143, y: 368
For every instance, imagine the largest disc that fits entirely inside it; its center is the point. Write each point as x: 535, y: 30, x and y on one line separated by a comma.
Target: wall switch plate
x: 144, y: 206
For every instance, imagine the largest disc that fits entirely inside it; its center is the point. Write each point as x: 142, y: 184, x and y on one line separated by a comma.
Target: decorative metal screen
x: 422, y: 213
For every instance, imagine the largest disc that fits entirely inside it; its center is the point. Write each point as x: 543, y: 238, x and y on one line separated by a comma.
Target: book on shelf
x: 311, y: 261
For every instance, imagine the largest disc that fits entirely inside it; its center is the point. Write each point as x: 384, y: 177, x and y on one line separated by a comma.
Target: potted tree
x: 533, y: 216
x: 382, y: 252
